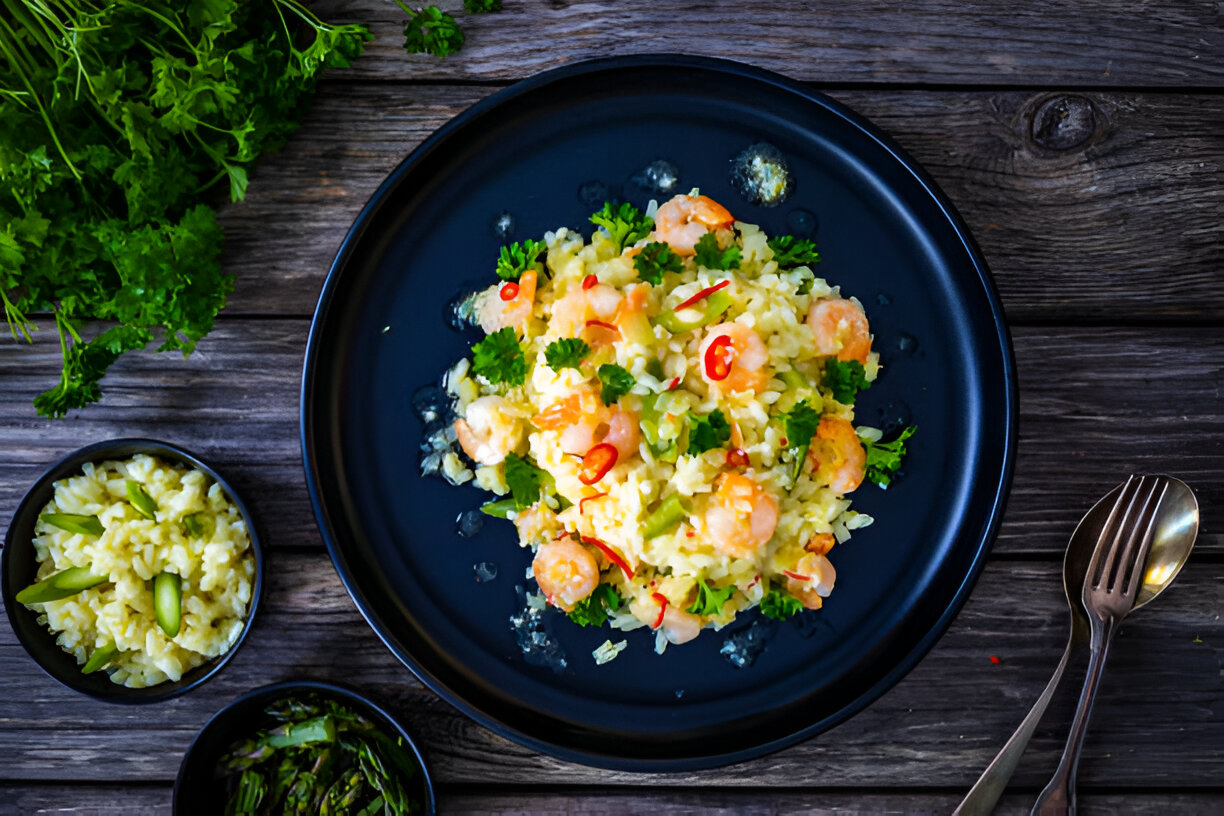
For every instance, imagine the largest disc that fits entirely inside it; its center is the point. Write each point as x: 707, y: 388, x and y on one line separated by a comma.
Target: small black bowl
x: 19, y: 566
x: 196, y: 792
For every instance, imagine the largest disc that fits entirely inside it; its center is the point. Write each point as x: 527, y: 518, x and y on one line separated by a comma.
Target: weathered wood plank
x: 936, y: 729
x: 1096, y: 405
x: 934, y: 41
x: 1127, y: 223
x: 87, y: 800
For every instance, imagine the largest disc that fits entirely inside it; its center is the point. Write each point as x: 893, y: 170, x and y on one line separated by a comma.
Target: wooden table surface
x: 1082, y: 142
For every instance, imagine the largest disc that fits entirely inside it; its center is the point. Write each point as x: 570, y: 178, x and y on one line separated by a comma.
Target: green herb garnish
x: 884, y: 458
x: 623, y: 222
x: 616, y: 382
x: 711, y: 257
x: 517, y: 258
x: 709, y: 600
x: 524, y: 480
x: 499, y: 358
x: 593, y: 609
x: 708, y: 432
x: 845, y: 379
x: 481, y: 6
x: 655, y: 260
x: 800, y: 423
x: 790, y: 251
x: 780, y: 605
x: 568, y: 352
x: 430, y: 31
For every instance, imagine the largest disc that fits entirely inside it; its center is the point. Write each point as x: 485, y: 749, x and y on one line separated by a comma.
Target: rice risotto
x: 667, y: 409
x: 197, y: 533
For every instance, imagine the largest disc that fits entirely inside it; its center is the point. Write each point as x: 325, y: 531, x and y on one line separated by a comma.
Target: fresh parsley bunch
x: 118, y: 122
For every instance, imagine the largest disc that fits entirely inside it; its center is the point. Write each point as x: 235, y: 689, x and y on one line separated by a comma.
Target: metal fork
x: 1111, y: 585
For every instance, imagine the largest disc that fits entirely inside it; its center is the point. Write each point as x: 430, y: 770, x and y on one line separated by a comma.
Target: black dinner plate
x: 537, y: 150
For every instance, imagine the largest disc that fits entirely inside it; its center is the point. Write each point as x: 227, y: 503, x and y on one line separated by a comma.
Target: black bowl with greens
x: 302, y: 747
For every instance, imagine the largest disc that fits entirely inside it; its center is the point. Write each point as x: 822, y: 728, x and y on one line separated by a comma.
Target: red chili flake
x: 597, y: 462
x: 691, y: 534
x: 994, y: 659
x: 796, y: 576
x: 661, y: 599
x: 613, y: 556
x: 718, y: 357
x: 599, y: 324
x: 671, y: 386
x: 582, y: 502
x: 783, y: 442
x: 737, y: 458
x: 589, y: 281
x: 509, y: 291
x: 703, y: 294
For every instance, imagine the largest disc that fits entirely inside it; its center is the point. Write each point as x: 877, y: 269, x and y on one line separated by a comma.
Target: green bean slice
x: 168, y: 602
x: 63, y: 584
x: 140, y: 499
x: 100, y: 657
x: 74, y: 523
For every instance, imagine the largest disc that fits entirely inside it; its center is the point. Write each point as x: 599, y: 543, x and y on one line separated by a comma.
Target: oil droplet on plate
x: 883, y: 300
x: 907, y: 345
x: 594, y: 193
x: 485, y: 571
x: 659, y: 176
x: 469, y: 523
x: 801, y: 223
x: 744, y: 647
x: 503, y: 226
x: 761, y: 175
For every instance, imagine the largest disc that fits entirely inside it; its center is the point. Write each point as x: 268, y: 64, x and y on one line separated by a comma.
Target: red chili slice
x: 589, y: 281
x: 582, y: 502
x: 718, y: 357
x: 703, y: 294
x: 597, y: 462
x: 603, y: 325
x: 613, y: 556
x: 737, y: 458
x: 661, y: 599
x: 509, y: 291
x: 674, y: 384
x: 796, y: 576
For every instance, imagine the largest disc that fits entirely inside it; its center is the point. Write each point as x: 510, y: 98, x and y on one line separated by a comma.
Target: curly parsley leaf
x: 499, y: 358
x: 623, y: 222
x: 430, y: 31
x: 709, y: 600
x: 568, y: 352
x: 800, y: 423
x: 481, y: 6
x: 593, y: 609
x: 845, y: 379
x: 655, y: 260
x: 884, y: 458
x: 524, y: 480
x: 708, y: 432
x: 780, y: 605
x: 711, y: 257
x: 790, y: 251
x: 517, y: 258
x: 616, y: 382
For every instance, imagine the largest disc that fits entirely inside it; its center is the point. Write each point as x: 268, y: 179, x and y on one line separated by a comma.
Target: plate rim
x: 993, y: 517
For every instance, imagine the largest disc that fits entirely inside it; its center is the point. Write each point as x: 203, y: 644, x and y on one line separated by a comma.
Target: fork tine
x: 1112, y: 528
x: 1124, y: 541
x: 1137, y: 528
x: 1138, y: 564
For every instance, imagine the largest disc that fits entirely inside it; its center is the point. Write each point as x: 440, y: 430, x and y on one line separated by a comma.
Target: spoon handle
x: 1058, y: 798
x: 985, y: 793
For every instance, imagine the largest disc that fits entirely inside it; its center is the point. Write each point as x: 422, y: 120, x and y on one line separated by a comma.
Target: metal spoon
x: 1169, y: 552
x: 1118, y: 575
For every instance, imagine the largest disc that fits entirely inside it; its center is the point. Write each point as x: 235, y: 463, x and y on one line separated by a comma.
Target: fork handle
x: 1058, y: 798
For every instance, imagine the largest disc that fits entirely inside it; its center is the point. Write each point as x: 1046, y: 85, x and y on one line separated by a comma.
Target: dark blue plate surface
x: 887, y: 235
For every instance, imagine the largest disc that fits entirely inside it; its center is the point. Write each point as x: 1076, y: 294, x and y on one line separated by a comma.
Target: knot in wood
x: 1063, y: 122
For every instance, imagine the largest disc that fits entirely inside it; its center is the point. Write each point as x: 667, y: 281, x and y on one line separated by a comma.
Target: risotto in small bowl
x: 131, y: 571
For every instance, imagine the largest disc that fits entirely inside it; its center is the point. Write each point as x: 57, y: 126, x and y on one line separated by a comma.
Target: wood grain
x: 1162, y: 43
x: 937, y: 728
x: 1095, y: 406
x: 1126, y: 225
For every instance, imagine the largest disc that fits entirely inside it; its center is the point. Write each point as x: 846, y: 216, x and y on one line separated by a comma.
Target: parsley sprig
x: 499, y: 358
x: 845, y: 379
x: 708, y: 431
x: 790, y: 251
x: 593, y: 609
x: 517, y: 258
x: 430, y: 31
x: 525, y: 481
x: 616, y: 382
x: 884, y: 458
x: 711, y: 257
x: 800, y: 423
x: 623, y: 222
x: 655, y: 260
x: 567, y: 352
x: 710, y: 601
x: 780, y: 605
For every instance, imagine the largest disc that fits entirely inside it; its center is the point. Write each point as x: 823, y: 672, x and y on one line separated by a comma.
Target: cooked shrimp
x: 682, y: 221
x: 820, y: 543
x: 486, y: 431
x: 566, y: 572
x: 741, y: 516
x: 579, y: 308
x: 497, y: 313
x: 736, y: 363
x: 814, y: 582
x: 840, y: 328
x: 837, y: 456
x: 678, y: 626
x: 584, y: 422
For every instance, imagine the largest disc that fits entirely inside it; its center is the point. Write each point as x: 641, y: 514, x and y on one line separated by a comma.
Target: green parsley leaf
x: 708, y: 432
x: 845, y: 379
x: 517, y: 258
x: 616, y: 382
x: 499, y: 358
x: 624, y: 223
x: 884, y: 458
x: 655, y: 260
x: 593, y: 609
x: 780, y: 605
x: 800, y: 423
x: 481, y: 6
x: 430, y: 31
x: 711, y: 257
x: 567, y: 352
x: 790, y: 251
x: 524, y: 480
x: 710, y: 601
